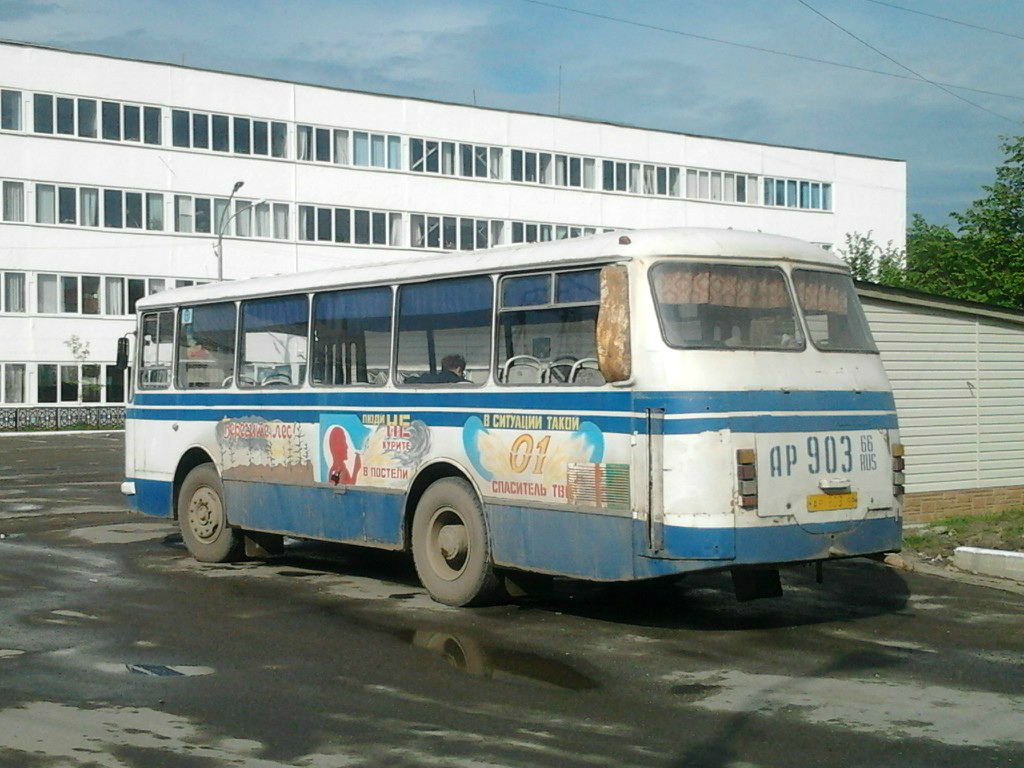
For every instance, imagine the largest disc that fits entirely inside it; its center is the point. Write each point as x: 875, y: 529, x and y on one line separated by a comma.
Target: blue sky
x: 651, y: 65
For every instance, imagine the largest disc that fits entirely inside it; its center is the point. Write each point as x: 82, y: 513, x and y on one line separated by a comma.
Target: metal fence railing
x: 41, y: 418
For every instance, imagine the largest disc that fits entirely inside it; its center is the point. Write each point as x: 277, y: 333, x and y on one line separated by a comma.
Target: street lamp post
x: 224, y: 221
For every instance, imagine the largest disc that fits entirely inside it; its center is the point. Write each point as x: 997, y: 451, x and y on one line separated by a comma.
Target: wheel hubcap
x: 205, y: 514
x: 448, y: 543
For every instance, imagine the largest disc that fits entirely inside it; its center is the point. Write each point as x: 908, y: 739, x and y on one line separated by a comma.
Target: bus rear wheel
x: 450, y: 546
x: 203, y: 519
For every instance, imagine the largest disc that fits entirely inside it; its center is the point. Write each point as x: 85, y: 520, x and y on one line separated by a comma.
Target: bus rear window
x: 722, y: 306
x: 832, y: 311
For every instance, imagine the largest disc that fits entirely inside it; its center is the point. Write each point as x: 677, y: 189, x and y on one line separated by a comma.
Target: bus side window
x: 272, y: 342
x: 155, y: 350
x: 351, y: 337
x: 206, y: 346
x: 547, y: 328
x: 445, y: 323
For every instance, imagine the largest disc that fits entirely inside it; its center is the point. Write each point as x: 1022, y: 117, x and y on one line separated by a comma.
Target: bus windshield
x: 720, y: 306
x: 835, y: 320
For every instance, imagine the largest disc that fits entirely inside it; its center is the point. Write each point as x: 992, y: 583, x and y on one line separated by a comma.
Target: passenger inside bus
x: 453, y: 370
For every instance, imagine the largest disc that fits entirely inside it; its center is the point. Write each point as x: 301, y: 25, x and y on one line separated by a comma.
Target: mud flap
x: 756, y: 583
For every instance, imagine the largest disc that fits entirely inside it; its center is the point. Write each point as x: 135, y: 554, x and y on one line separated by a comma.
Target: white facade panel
x: 957, y: 377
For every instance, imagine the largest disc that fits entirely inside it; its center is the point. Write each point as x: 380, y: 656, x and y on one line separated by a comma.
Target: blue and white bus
x: 613, y: 408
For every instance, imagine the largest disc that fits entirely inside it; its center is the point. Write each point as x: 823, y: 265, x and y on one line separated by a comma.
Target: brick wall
x: 925, y: 507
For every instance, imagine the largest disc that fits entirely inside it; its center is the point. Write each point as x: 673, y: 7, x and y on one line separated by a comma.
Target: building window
x: 151, y: 117
x: 67, y: 205
x: 89, y: 206
x: 14, y: 383
x: 14, y: 292
x: 111, y: 121
x: 66, y: 116
x: 42, y: 113
x: 797, y: 193
x: 154, y: 211
x: 46, y: 383
x: 87, y: 118
x: 10, y: 110
x: 131, y: 123
x: 344, y: 225
x: 14, y: 201
x: 376, y: 150
x: 113, y: 213
x: 242, y: 135
x: 221, y: 139
x: 45, y: 204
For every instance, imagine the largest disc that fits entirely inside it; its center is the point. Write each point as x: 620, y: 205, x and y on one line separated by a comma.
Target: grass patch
x: 999, y: 530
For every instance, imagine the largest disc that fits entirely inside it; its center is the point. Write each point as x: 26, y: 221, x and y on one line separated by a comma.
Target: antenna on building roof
x: 559, y: 112
x: 474, y: 97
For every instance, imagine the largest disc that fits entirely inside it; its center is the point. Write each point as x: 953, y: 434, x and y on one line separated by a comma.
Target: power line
x: 947, y: 19
x: 919, y: 76
x: 759, y: 49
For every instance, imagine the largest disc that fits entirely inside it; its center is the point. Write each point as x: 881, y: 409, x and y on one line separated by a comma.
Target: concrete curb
x: 990, y: 562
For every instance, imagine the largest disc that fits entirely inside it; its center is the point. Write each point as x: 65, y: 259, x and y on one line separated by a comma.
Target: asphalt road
x: 117, y: 650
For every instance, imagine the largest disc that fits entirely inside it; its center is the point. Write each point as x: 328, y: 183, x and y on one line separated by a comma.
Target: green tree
x: 983, y: 260
x: 872, y: 262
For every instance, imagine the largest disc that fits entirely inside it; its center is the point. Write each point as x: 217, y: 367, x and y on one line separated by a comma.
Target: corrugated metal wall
x: 958, y: 380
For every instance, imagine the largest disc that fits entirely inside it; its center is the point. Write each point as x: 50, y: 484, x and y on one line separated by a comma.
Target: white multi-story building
x: 118, y: 176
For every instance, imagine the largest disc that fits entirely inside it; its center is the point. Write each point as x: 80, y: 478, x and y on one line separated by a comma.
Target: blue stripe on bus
x: 567, y: 399
x: 612, y: 424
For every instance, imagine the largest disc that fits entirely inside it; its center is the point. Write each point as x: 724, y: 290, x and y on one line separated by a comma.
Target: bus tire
x: 450, y: 546
x: 203, y: 518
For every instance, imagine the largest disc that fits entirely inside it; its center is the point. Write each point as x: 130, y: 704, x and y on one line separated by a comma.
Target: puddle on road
x: 475, y: 657
x: 10, y: 510
x: 124, y: 533
x: 10, y: 653
x: 156, y: 670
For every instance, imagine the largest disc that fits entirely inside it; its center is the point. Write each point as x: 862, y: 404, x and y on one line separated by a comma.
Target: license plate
x: 824, y: 502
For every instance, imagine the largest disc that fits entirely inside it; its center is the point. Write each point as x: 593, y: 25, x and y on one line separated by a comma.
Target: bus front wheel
x: 203, y: 519
x: 450, y: 546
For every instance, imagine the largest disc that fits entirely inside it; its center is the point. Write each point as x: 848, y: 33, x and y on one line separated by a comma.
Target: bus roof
x: 621, y: 245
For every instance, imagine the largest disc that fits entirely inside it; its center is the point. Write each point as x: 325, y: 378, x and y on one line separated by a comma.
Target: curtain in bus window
x: 273, y: 342
x: 351, y: 337
x: 833, y: 313
x: 719, y: 305
x: 441, y: 322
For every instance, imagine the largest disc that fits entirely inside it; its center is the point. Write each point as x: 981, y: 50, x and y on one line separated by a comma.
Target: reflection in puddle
x: 469, y: 655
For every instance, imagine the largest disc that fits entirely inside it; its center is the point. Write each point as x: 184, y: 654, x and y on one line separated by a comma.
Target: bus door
x: 681, y: 484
